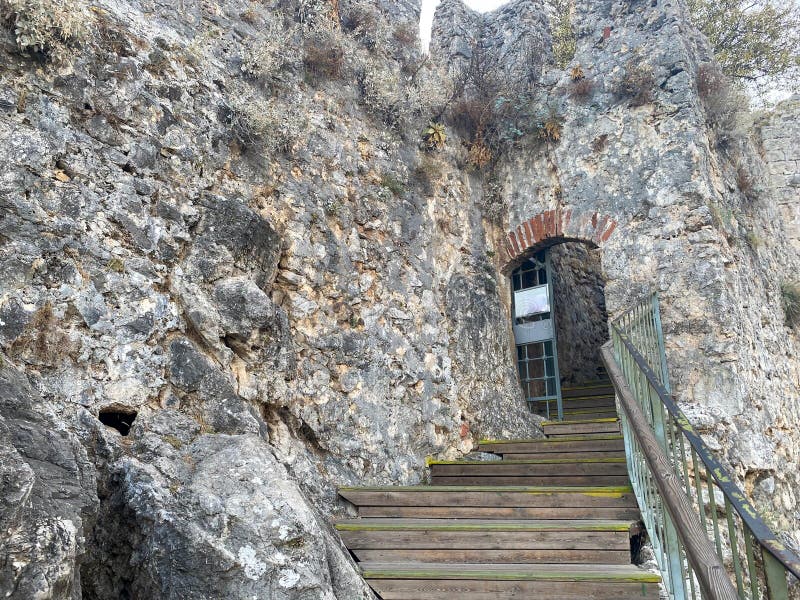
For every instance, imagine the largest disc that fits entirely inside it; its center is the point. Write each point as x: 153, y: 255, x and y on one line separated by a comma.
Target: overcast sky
x: 428, y: 6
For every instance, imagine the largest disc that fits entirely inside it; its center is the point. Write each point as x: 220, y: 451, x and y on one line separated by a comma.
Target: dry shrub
x: 790, y: 297
x: 637, y: 83
x: 48, y: 28
x: 478, y: 154
x: 323, y: 54
x: 365, y: 22
x: 269, y: 124
x: 274, y: 52
x: 428, y: 172
x: 468, y: 116
x: 724, y: 104
x: 710, y: 80
x: 581, y: 89
x: 492, y: 101
x: 359, y: 16
x: 42, y: 341
x: 406, y: 34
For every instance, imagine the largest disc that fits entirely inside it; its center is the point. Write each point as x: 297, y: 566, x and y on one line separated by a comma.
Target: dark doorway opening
x: 560, y: 322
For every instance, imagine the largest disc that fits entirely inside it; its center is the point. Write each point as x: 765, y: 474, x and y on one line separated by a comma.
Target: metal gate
x: 535, y: 334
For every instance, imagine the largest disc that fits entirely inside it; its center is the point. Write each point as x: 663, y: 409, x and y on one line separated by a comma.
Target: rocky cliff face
x: 235, y: 247
x: 232, y: 249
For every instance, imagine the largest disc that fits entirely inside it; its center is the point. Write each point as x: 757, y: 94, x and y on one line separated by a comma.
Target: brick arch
x: 560, y: 225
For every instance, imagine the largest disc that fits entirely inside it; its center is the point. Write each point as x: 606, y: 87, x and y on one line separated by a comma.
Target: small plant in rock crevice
x: 434, y: 136
x: 550, y: 125
x: 393, y: 184
x: 753, y: 240
x: 637, y: 83
x: 42, y: 340
x: 478, y: 154
x: 790, y: 297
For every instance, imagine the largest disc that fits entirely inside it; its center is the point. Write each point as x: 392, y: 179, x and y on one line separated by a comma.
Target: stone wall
x: 778, y: 132
x: 580, y: 311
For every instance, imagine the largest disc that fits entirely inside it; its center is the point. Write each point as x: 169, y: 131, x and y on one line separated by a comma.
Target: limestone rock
x: 48, y: 499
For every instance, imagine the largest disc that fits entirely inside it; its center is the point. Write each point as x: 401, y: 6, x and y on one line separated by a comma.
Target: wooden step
x: 595, y: 389
x: 578, y: 443
x: 484, y: 541
x: 588, y: 402
x: 497, y: 512
x: 587, y: 427
x: 494, y: 502
x: 417, y: 581
x: 566, y: 455
x: 579, y: 414
x: 552, y: 471
x: 596, y: 407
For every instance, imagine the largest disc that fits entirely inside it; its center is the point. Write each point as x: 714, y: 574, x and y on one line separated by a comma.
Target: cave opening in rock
x: 559, y: 321
x: 120, y: 418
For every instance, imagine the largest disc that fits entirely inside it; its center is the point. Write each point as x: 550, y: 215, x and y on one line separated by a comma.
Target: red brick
x: 606, y: 32
x: 549, y: 224
x: 559, y: 228
x: 594, y: 220
x: 521, y: 237
x: 601, y: 227
x: 538, y: 228
x: 609, y: 231
x: 531, y: 224
x: 510, y: 250
x: 513, y: 239
x: 528, y: 234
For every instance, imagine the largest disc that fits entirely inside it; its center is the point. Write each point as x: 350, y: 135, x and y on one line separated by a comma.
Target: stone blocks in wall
x: 780, y: 142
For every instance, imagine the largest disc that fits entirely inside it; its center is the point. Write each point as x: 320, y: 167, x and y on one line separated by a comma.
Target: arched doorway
x: 558, y: 305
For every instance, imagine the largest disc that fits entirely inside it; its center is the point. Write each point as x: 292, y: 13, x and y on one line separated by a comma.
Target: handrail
x: 709, y: 568
x: 638, y: 369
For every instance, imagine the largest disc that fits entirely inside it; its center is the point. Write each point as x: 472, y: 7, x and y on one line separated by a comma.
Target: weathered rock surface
x: 49, y: 498
x: 213, y: 516
x: 247, y: 253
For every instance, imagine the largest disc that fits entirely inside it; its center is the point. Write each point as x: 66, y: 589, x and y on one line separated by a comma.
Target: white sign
x: 532, y: 301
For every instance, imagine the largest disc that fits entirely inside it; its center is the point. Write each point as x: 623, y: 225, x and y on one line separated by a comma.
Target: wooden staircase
x: 551, y: 519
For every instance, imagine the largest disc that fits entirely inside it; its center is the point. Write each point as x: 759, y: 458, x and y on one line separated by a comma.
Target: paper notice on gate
x: 532, y: 301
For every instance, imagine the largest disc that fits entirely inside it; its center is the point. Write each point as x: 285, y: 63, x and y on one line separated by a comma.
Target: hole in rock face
x: 120, y: 419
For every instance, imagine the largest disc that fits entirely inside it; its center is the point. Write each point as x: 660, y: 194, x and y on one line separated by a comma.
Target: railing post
x: 675, y: 558
x: 775, y: 574
x: 661, y: 347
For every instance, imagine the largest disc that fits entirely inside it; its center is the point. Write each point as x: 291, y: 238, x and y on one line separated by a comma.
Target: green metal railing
x: 709, y: 540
